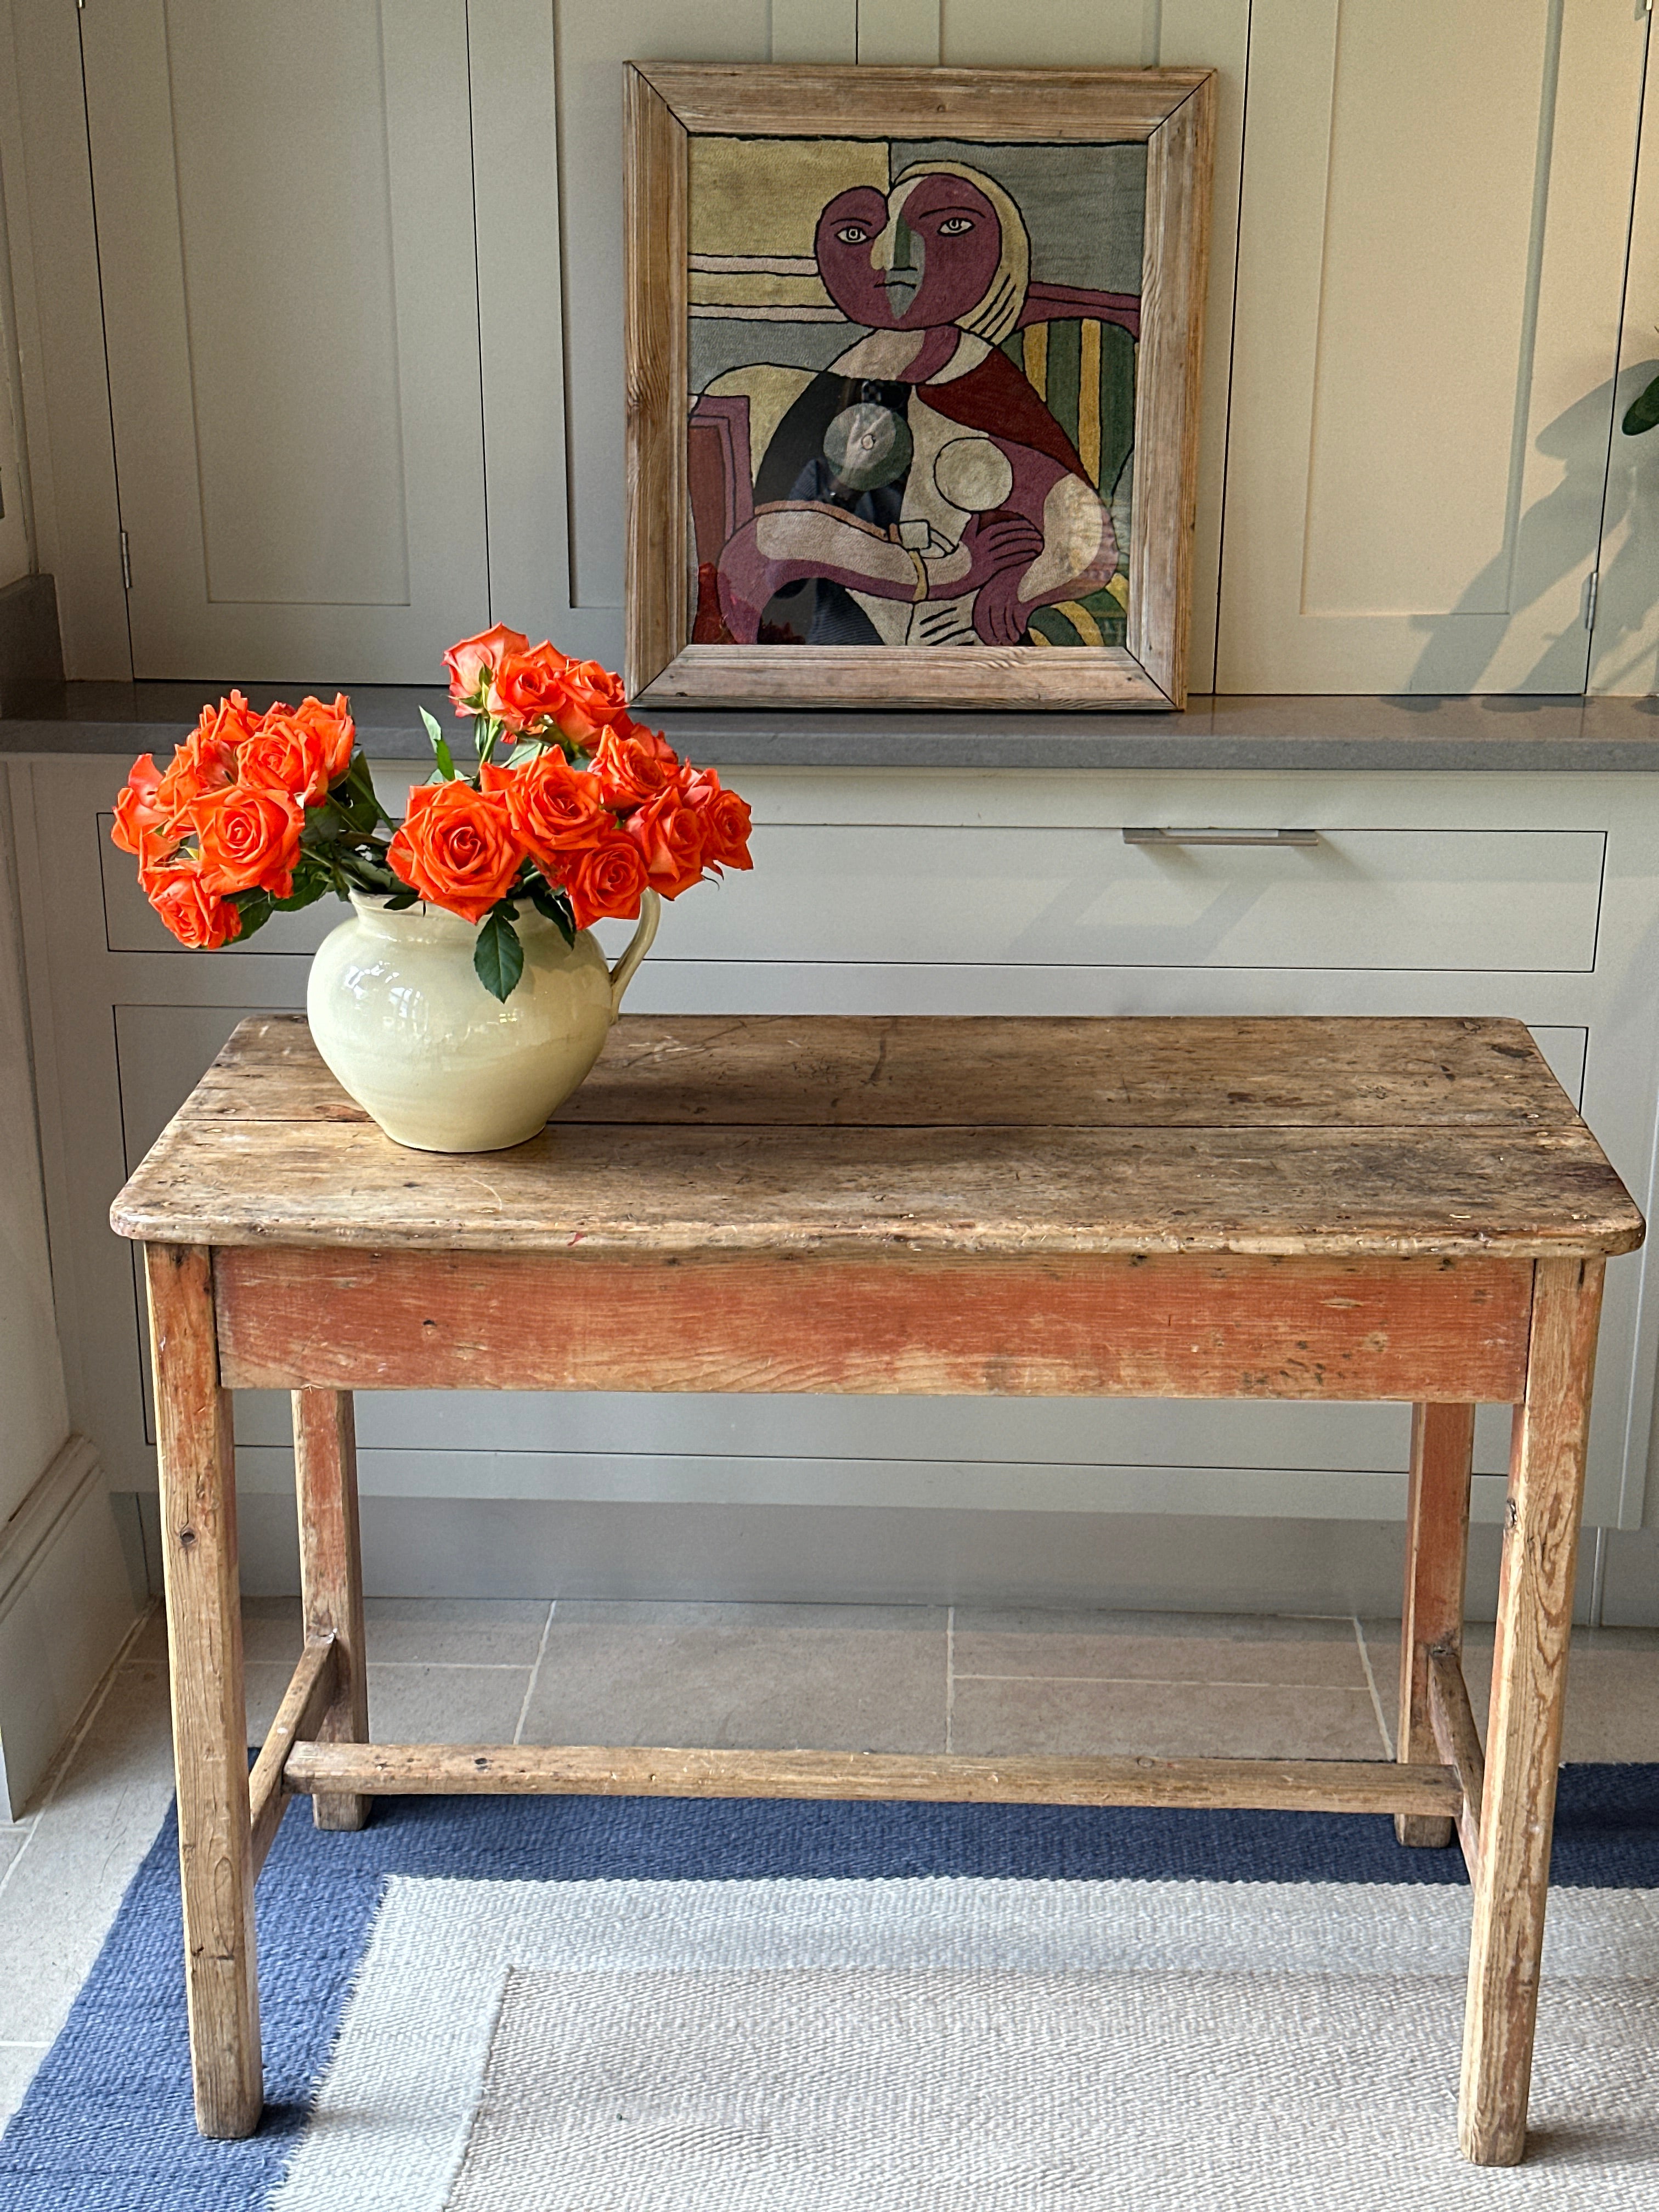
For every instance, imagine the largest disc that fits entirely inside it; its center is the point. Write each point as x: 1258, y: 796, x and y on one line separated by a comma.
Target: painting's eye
x: 852, y: 234
x: 954, y: 225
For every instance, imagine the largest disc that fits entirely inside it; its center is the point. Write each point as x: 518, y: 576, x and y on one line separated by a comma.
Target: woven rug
x: 525, y: 2005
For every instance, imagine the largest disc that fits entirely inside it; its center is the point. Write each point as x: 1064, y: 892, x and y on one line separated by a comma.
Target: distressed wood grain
x: 1385, y: 1192
x: 1001, y: 105
x: 196, y: 1464
x: 1139, y: 1326
x: 1180, y: 173
x: 1523, y: 1728
x: 523, y: 1769
x: 655, y: 382
x: 1458, y: 1742
x: 305, y: 1704
x: 995, y: 1071
x: 1436, y: 1565
x: 331, y: 1572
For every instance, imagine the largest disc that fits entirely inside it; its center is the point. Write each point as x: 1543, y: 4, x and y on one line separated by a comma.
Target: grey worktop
x: 1506, y: 732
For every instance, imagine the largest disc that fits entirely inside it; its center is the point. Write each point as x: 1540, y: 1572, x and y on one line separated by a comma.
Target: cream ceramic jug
x: 408, y: 1030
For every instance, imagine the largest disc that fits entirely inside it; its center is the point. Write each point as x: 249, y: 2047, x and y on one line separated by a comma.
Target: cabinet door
x: 1432, y: 251
x: 284, y: 208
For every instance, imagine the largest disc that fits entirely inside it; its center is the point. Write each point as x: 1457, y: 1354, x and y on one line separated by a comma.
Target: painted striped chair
x: 1078, y: 351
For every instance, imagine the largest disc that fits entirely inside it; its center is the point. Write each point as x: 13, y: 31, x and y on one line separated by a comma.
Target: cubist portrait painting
x: 913, y: 370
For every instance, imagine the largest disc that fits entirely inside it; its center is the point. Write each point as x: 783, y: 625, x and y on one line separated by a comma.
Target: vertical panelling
x: 1625, y: 646
x: 592, y: 45
x: 1431, y: 257
x: 899, y: 32
x: 515, y: 183
x: 287, y: 249
x: 49, y: 216
x: 813, y: 30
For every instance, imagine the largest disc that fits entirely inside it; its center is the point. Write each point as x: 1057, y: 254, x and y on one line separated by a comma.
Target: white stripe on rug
x: 1110, y: 2032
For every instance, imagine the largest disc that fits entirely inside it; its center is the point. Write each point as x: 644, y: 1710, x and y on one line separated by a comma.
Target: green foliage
x: 554, y: 905
x: 1642, y: 413
x: 498, y: 957
x: 440, y: 751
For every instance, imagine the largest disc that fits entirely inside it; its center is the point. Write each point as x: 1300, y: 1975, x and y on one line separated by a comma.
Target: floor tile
x: 483, y: 1631
x: 834, y: 1677
x: 17, y: 2063
x: 1162, y: 1720
x: 1613, y: 1687
x: 1169, y: 1647
x: 412, y: 1703
x: 61, y: 1893
x: 12, y: 1840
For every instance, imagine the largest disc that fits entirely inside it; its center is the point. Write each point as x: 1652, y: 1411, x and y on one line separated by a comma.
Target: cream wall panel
x: 54, y: 262
x: 894, y: 33
x: 1430, y: 259
x: 593, y: 44
x: 287, y: 248
x: 1624, y: 648
x: 809, y: 31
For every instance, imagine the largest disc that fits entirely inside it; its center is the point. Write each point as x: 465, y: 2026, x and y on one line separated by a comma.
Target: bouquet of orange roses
x: 573, y: 808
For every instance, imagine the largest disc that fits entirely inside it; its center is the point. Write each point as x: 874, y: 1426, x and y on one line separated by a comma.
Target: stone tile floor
x: 863, y: 1678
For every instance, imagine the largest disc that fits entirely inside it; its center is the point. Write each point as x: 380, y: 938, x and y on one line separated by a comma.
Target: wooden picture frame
x: 668, y: 107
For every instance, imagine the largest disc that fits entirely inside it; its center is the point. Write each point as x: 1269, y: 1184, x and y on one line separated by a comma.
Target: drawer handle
x: 1144, y: 836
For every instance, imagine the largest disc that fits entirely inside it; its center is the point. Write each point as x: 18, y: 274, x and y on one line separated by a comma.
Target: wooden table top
x: 927, y: 1133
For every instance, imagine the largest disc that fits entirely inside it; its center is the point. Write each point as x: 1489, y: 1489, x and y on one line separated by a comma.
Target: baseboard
x: 526, y: 1547
x: 66, y: 1602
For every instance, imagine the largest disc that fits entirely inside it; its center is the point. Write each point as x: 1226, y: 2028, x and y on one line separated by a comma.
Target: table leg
x: 1437, y: 1564
x: 1523, y: 1729
x: 331, y: 1572
x: 209, y: 1716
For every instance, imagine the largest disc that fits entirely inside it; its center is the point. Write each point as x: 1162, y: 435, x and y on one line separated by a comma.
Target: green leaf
x: 307, y: 891
x: 440, y: 751
x: 555, y: 906
x: 497, y: 956
x: 400, y: 899
x: 1642, y: 413
x: 255, y: 908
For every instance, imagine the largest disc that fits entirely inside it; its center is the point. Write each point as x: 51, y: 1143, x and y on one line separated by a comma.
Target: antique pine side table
x: 1334, y: 1209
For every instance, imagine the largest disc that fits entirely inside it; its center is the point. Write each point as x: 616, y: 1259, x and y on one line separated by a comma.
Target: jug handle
x: 638, y: 945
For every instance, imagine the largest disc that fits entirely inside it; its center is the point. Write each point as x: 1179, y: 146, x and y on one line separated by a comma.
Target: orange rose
x: 593, y: 700
x: 197, y: 917
x: 634, y: 764
x: 556, y: 809
x: 607, y: 878
x: 249, y: 834
x: 286, y: 756
x: 470, y: 662
x: 137, y: 808
x: 528, y: 689
x: 670, y: 837
x: 457, y: 848
x: 207, y: 759
x: 335, y: 731
x: 725, y: 817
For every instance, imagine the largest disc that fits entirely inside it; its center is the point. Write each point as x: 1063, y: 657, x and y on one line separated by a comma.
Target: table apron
x: 1171, y: 1325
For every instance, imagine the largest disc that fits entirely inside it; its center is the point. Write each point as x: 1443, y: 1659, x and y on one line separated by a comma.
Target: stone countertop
x: 1506, y: 732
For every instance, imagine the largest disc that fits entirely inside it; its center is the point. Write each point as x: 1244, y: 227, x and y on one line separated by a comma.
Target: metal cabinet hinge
x: 1591, y: 588
x: 127, y: 562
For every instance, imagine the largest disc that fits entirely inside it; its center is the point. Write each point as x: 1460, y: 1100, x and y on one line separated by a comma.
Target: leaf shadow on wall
x: 1554, y: 537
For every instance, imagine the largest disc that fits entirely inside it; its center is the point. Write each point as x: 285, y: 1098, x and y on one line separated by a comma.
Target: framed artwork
x: 912, y: 384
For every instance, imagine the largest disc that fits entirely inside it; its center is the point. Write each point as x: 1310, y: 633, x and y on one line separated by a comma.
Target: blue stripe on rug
x: 106, y: 2125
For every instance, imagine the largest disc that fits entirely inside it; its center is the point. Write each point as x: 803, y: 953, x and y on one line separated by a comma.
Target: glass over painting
x: 913, y: 371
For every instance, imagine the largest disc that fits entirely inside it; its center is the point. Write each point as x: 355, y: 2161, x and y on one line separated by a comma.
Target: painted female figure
x: 917, y: 491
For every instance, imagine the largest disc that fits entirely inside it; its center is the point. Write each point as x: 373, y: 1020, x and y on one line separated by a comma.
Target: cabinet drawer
x: 1490, y: 900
